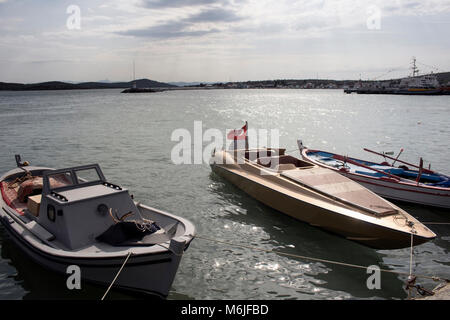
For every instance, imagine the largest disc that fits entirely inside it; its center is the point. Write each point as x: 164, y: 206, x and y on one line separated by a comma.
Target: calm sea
x: 129, y: 135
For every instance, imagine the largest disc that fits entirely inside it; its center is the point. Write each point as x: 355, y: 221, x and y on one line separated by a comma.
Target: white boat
x: 74, y: 216
x: 421, y: 186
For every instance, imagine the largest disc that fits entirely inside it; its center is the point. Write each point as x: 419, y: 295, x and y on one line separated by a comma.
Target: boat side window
x: 87, y: 175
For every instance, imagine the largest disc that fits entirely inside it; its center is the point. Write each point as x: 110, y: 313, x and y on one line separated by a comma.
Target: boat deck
x: 332, y: 183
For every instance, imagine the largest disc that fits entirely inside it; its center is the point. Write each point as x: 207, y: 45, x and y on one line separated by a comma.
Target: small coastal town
x: 415, y: 83
x: 429, y: 84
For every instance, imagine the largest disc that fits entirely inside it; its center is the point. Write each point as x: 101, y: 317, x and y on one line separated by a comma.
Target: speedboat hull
x: 274, y: 190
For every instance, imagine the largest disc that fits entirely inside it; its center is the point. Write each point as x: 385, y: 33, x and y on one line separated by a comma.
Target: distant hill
x: 146, y: 83
x: 58, y: 85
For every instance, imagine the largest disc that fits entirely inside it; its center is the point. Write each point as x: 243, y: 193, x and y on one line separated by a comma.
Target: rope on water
x: 434, y: 278
x: 117, y: 275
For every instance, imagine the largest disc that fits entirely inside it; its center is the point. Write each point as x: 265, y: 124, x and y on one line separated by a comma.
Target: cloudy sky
x: 222, y: 40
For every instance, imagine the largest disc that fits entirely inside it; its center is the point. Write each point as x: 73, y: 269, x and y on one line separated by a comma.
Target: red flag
x: 239, y: 134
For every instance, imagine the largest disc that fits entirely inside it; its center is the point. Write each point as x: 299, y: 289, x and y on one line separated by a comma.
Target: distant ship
x: 426, y: 84
x: 412, y: 85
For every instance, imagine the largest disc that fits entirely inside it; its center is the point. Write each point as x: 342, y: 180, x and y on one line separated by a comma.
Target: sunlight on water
x: 129, y: 136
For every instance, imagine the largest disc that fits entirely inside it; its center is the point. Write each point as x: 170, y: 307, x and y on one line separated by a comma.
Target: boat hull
x: 394, y: 190
x: 404, y: 192
x: 364, y: 232
x: 142, y: 273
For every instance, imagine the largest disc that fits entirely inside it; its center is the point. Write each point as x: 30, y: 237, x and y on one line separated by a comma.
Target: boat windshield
x: 71, y: 177
x: 87, y: 175
x: 61, y: 179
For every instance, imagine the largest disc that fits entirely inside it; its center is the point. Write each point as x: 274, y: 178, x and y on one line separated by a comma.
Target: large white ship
x: 414, y: 84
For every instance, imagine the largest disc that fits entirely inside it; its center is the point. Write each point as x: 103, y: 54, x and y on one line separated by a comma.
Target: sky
x: 220, y: 40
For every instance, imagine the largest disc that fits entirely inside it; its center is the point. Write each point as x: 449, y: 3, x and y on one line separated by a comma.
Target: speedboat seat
x: 276, y: 161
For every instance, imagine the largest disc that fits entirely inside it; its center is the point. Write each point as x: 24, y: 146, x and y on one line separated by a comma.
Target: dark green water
x: 130, y: 137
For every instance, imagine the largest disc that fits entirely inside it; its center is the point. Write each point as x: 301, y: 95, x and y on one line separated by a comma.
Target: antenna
x: 415, y: 70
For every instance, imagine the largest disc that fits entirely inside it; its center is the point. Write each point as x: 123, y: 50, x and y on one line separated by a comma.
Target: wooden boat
x: 74, y: 216
x: 320, y: 197
x: 420, y: 186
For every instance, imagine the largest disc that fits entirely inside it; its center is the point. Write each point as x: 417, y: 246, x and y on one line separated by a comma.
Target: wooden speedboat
x: 402, y: 182
x: 74, y: 216
x: 320, y: 197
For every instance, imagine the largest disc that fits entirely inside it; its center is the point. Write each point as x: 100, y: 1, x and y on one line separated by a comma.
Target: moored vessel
x: 74, y: 216
x: 404, y: 182
x: 319, y: 196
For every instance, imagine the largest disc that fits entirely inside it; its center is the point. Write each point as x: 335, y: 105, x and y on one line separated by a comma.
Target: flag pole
x: 246, y: 135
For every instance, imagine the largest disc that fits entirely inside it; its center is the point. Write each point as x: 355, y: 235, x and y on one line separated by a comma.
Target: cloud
x: 153, y: 4
x: 219, y: 38
x: 190, y: 26
x: 167, y: 30
x: 292, y: 18
x: 215, y: 15
x: 50, y: 61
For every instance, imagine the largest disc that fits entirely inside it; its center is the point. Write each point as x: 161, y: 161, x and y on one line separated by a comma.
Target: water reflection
x: 33, y: 282
x: 132, y: 142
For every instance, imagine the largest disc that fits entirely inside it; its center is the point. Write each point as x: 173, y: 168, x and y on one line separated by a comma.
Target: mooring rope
x: 117, y: 275
x: 411, y: 254
x: 411, y: 279
x: 434, y: 278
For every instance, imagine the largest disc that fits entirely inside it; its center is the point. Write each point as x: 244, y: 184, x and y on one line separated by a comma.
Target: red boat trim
x: 7, y: 201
